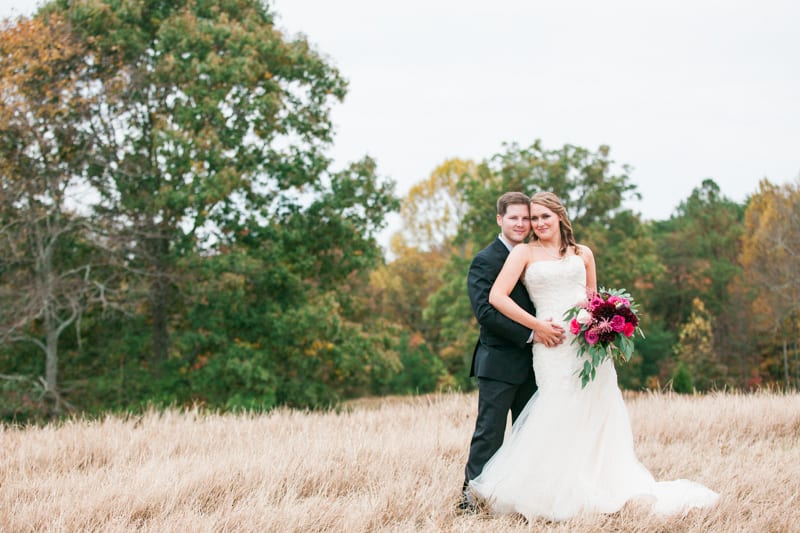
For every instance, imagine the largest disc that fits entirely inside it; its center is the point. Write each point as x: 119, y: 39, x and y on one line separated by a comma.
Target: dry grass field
x: 390, y: 464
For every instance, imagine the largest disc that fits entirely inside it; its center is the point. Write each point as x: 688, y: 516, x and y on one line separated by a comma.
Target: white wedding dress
x: 571, y: 449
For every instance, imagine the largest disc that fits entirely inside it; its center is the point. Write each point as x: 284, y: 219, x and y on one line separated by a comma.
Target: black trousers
x: 495, y: 400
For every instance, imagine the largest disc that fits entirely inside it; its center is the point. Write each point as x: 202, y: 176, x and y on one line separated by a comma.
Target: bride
x: 571, y: 449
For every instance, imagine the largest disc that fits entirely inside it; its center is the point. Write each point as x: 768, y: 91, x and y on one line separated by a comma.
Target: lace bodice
x: 555, y: 286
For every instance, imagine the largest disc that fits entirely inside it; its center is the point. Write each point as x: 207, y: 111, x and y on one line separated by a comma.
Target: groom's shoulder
x: 490, y: 255
x: 493, y: 248
x: 482, y: 254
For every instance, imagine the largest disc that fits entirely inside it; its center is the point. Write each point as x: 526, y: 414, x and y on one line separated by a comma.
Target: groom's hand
x: 550, y: 334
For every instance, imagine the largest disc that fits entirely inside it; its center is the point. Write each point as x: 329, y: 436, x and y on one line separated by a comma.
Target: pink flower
x: 591, y: 336
x: 596, y: 302
x: 603, y: 326
x: 619, y: 301
x: 629, y: 329
x: 618, y: 323
x: 574, y: 326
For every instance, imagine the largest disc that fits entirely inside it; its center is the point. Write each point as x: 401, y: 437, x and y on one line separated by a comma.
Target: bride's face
x: 545, y: 223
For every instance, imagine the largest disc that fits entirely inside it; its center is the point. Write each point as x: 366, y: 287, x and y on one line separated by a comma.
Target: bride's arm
x: 499, y: 297
x: 591, y: 270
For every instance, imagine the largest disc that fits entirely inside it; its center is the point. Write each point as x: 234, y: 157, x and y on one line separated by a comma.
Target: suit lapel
x: 499, y: 248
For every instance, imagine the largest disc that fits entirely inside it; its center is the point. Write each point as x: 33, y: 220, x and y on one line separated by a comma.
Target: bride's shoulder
x: 585, y: 252
x: 523, y: 251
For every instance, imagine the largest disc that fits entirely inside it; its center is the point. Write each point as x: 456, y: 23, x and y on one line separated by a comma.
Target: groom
x: 502, y: 359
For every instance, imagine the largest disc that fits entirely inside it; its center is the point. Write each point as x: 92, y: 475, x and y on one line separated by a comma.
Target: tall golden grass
x: 393, y: 464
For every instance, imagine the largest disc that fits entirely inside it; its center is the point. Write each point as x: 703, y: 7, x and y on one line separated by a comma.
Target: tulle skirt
x: 571, y: 451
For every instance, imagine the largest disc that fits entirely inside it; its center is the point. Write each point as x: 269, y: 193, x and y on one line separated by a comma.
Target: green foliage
x: 237, y: 270
x: 48, y: 258
x: 208, y: 117
x: 682, y: 379
x: 695, y: 350
x: 629, y: 375
x: 401, y: 290
x: 656, y: 354
x: 585, y: 181
x: 457, y: 330
x: 21, y: 400
x: 206, y: 133
x: 699, y: 248
x: 422, y: 371
x: 625, y: 254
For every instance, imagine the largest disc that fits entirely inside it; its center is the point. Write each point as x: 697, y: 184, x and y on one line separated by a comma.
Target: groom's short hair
x: 511, y: 198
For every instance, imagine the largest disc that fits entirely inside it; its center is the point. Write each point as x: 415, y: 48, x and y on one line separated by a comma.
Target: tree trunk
x: 51, y: 356
x: 160, y: 297
x: 52, y: 328
x: 160, y: 316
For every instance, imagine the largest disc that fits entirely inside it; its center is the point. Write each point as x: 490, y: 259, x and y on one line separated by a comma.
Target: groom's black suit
x: 502, y: 359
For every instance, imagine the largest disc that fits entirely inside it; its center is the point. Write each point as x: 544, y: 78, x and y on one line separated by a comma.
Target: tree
x: 401, y: 289
x: 695, y: 350
x: 771, y: 258
x: 275, y: 317
x: 199, y: 133
x: 405, y: 290
x: 449, y: 308
x: 47, y: 264
x: 682, y: 379
x: 698, y: 248
x: 591, y: 186
x: 204, y: 114
x: 434, y: 208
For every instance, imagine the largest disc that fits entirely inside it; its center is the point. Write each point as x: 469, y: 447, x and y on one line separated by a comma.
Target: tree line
x: 172, y: 232
x: 715, y: 281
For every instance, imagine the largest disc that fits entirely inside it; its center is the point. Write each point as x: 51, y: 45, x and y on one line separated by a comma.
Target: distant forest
x: 172, y: 232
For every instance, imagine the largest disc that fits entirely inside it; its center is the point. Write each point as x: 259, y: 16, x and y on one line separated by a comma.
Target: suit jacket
x: 502, y: 351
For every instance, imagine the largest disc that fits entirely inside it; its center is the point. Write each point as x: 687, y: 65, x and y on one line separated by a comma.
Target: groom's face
x: 515, y: 225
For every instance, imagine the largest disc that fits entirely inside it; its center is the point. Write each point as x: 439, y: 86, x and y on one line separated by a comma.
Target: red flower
x: 629, y: 329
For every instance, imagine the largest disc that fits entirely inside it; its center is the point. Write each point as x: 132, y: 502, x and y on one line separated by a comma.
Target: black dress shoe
x: 467, y: 502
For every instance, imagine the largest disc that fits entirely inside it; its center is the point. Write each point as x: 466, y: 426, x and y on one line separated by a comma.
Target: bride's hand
x: 548, y: 333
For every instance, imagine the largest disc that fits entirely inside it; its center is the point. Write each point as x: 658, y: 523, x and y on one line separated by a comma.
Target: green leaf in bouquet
x: 627, y: 348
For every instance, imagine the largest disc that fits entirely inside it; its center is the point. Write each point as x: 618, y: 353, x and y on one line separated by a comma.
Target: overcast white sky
x: 680, y: 90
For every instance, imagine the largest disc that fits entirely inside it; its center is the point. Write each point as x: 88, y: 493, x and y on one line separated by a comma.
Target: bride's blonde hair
x: 553, y: 203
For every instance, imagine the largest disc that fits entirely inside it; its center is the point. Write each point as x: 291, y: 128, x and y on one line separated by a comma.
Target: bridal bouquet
x: 604, y: 325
